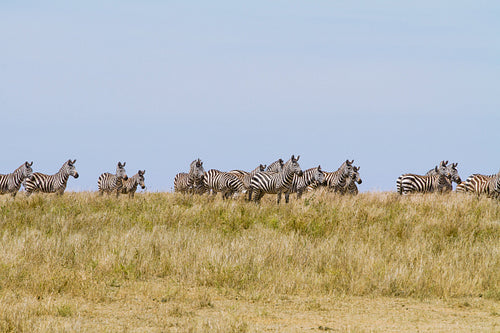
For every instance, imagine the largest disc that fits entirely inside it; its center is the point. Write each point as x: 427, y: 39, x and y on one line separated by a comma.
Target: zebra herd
x: 278, y: 178
x: 440, y: 179
x: 38, y: 182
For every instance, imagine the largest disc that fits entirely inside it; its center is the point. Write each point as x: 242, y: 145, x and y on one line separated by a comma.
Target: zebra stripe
x: 482, y: 184
x: 275, y: 182
x: 245, y: 176
x: 351, y: 187
x: 225, y: 182
x: 56, y: 183
x: 192, y: 181
x: 109, y: 182
x: 309, y: 176
x: 410, y: 183
x: 11, y: 183
x: 130, y: 185
x: 276, y: 166
x: 453, y: 175
x: 337, y: 180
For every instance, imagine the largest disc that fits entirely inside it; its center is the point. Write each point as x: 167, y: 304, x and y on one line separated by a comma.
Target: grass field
x: 168, y: 262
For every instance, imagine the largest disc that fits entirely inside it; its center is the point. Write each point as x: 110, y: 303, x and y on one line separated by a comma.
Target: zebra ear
x: 298, y: 158
x: 293, y: 157
x: 436, y: 168
x: 69, y: 162
x: 124, y: 164
x: 319, y: 167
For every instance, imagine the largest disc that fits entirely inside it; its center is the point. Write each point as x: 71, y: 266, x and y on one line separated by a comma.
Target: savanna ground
x: 167, y: 262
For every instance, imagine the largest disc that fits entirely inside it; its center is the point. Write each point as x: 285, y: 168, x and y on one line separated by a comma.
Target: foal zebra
x: 189, y: 182
x: 350, y: 186
x: 453, y: 175
x: 225, y: 182
x: 409, y: 183
x: 130, y: 185
x: 482, y: 184
x: 275, y: 182
x: 300, y: 183
x: 11, y: 183
x: 56, y: 183
x: 109, y: 182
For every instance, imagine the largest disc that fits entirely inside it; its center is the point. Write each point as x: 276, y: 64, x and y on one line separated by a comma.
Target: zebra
x: 11, y: 183
x: 337, y: 180
x: 109, y: 182
x: 246, y: 176
x: 275, y: 182
x: 225, y: 182
x: 300, y: 183
x: 408, y: 183
x: 56, y: 183
x: 130, y: 185
x: 454, y: 177
x: 481, y: 184
x: 190, y: 182
x: 276, y: 166
x: 350, y: 187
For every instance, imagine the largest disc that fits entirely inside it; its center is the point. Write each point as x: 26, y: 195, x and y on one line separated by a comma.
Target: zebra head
x: 292, y: 166
x: 120, y: 171
x: 70, y: 168
x: 355, y: 175
x: 27, y: 171
x: 196, y: 169
x: 347, y: 168
x: 442, y: 169
x: 453, y: 173
x: 141, y: 178
x: 318, y: 175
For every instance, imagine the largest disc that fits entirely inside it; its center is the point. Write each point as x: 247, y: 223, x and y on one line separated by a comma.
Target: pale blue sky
x: 396, y: 86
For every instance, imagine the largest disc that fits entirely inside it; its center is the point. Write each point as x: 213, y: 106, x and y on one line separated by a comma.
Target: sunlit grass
x: 84, y: 247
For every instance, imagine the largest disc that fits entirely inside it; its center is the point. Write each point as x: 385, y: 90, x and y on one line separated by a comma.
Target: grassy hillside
x: 61, y: 258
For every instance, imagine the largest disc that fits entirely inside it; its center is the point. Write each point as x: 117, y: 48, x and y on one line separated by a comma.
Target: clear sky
x: 395, y: 85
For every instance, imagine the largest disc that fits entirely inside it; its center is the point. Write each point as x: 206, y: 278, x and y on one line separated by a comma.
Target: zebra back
x: 56, y: 183
x: 11, y: 183
x: 488, y: 185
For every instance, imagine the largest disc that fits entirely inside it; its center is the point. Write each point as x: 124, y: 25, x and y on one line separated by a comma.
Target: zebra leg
x: 278, y: 197
x: 287, y: 197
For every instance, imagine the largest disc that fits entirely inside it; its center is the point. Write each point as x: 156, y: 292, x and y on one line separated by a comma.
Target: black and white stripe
x: 11, y: 183
x: 192, y: 181
x: 336, y: 181
x: 246, y: 176
x: 453, y: 175
x: 276, y: 166
x: 109, y: 182
x: 351, y: 187
x: 225, y: 182
x: 130, y: 185
x: 411, y: 183
x: 478, y: 184
x: 56, y: 183
x: 309, y: 176
x: 275, y: 182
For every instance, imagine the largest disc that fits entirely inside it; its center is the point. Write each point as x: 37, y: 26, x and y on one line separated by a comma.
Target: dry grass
x: 168, y: 262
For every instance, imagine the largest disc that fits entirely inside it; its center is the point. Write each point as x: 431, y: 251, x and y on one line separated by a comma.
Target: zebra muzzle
x: 76, y: 175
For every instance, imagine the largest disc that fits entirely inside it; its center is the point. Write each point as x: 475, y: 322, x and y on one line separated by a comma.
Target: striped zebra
x: 439, y: 182
x: 246, y: 176
x: 225, y: 182
x: 351, y: 187
x: 11, y: 183
x: 453, y: 175
x: 109, y: 182
x: 300, y: 183
x: 276, y: 166
x: 275, y: 182
x: 56, y: 183
x: 336, y: 181
x: 192, y: 181
x: 481, y: 184
x: 130, y: 185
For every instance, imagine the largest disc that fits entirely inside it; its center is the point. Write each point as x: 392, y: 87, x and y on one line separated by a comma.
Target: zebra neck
x: 287, y: 178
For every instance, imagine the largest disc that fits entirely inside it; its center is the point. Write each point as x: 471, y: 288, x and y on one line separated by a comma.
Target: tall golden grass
x: 83, y: 247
